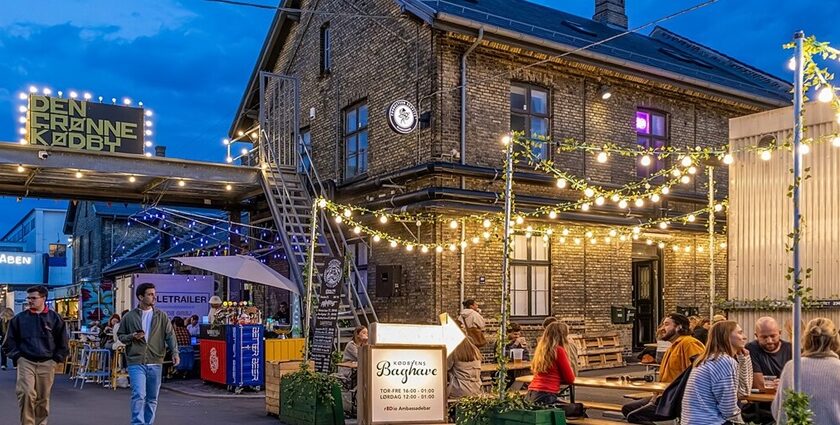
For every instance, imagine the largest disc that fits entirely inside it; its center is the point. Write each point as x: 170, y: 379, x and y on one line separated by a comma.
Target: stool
x: 118, y: 368
x: 72, y: 363
x: 95, y: 364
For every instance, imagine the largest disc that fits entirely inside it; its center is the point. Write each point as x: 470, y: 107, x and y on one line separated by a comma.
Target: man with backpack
x: 677, y: 330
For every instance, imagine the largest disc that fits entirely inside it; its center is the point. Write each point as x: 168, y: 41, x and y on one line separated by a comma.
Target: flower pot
x: 530, y: 417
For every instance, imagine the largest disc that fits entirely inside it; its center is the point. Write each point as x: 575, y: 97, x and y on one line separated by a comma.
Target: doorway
x: 647, y: 293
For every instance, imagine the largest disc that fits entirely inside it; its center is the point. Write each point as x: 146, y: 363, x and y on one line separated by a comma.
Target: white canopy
x: 243, y: 267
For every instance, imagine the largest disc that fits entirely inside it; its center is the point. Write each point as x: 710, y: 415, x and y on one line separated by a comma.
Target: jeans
x: 145, y: 386
x: 641, y: 412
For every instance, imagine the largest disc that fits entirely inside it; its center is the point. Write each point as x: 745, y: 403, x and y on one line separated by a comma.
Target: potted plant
x: 512, y: 409
x: 310, y: 398
x: 797, y: 407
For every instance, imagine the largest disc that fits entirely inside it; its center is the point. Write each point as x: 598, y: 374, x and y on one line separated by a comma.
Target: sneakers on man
x: 3, y: 367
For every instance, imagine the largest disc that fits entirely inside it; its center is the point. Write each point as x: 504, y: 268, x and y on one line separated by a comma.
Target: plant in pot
x: 797, y: 407
x: 513, y: 408
x: 310, y: 398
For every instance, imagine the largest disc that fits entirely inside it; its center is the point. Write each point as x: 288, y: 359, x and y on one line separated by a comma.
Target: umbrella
x: 243, y: 267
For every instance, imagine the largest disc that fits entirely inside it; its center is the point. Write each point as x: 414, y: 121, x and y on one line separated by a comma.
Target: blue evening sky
x: 189, y: 60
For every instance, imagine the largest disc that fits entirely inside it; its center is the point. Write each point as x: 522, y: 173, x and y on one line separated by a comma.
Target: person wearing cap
x: 215, y: 307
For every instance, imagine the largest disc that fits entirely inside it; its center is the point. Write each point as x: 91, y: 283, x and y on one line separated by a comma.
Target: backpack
x: 669, y: 404
x: 476, y: 336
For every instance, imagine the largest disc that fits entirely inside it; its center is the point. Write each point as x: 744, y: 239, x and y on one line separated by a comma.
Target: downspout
x: 463, y: 152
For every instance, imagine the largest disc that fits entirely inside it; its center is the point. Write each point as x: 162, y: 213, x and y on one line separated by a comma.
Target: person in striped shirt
x: 720, y: 375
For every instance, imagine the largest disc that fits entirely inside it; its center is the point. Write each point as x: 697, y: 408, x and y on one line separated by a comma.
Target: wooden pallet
x: 601, y: 360
x: 588, y: 344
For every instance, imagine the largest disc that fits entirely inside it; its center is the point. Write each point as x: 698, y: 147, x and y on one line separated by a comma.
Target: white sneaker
x: 3, y: 367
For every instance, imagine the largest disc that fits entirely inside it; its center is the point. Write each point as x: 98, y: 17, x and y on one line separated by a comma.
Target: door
x: 644, y: 300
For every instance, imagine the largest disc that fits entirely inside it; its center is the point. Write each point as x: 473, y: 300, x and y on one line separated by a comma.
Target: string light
x: 622, y: 204
x: 79, y: 174
x: 804, y: 149
x: 663, y: 225
x: 728, y: 159
x: 376, y: 238
x: 584, y: 206
x: 383, y: 219
x: 666, y: 190
x: 424, y: 249
x: 645, y: 160
x: 20, y: 169
x: 766, y: 155
x: 661, y: 245
x: 602, y: 157
x: 654, y: 197
x: 561, y: 183
x: 519, y: 220
x: 181, y: 183
x: 589, y: 192
x: 357, y: 230
x: 453, y: 224
x: 438, y: 249
x: 685, y: 180
x: 347, y: 212
x: 639, y: 202
x: 718, y: 207
x: 552, y: 214
x: 132, y: 179
x: 338, y: 219
x: 686, y: 161
x: 228, y: 187
x: 599, y: 201
x: 691, y: 218
x: 393, y: 244
x: 825, y: 95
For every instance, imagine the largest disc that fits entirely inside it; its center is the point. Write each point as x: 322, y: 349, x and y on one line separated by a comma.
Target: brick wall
x: 110, y: 236
x: 382, y: 62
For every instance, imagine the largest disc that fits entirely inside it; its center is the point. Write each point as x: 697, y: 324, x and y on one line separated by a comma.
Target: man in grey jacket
x: 146, y: 333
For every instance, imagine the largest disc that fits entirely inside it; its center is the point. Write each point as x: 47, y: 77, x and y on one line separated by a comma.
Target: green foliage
x: 306, y: 384
x: 797, y: 407
x: 478, y: 410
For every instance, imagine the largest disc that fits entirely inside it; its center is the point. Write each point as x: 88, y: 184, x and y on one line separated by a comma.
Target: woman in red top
x: 550, y: 365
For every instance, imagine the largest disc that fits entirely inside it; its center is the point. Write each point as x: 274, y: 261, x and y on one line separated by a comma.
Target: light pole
x: 710, y: 164
x: 506, y: 140
x: 797, y: 172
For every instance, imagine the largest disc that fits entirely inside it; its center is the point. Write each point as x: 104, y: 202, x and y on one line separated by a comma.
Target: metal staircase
x: 289, y: 190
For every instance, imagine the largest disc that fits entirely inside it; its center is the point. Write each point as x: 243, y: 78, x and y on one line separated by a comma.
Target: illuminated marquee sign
x: 84, y: 125
x: 15, y: 259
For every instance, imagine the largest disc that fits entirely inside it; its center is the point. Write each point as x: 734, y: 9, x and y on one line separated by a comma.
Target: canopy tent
x: 243, y: 267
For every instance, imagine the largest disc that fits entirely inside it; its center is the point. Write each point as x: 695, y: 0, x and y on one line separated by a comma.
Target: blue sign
x: 179, y: 295
x: 21, y: 268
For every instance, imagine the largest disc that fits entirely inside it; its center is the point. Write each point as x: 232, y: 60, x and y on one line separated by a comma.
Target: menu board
x: 326, y: 314
x: 403, y: 384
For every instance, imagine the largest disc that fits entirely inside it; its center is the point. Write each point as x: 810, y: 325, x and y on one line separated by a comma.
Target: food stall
x: 232, y: 347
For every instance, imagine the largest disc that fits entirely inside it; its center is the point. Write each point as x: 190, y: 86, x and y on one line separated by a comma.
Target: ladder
x: 289, y: 189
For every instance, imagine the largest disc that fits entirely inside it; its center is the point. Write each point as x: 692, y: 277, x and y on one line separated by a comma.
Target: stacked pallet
x: 599, y: 351
x: 274, y: 370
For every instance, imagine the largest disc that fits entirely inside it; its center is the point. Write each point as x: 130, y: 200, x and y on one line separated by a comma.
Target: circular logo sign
x: 402, y: 116
x: 332, y: 276
x: 214, y: 360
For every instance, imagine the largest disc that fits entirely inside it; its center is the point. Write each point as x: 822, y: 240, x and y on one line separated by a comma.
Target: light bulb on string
x: 78, y: 174
x: 692, y: 170
x: 686, y: 161
x: 476, y: 239
x: 594, y: 241
x: 700, y: 249
x: 409, y: 248
x: 676, y: 172
x: 383, y: 219
x: 639, y: 202
x: 322, y: 203
x: 687, y: 249
x: 825, y: 94
x: 357, y: 230
x: 228, y: 187
x: 675, y: 248
x: 622, y: 204
x: 424, y: 249
x: 486, y: 235
x: 565, y: 232
x: 519, y: 220
x: 561, y: 183
x: 835, y: 142
x: 661, y: 245
x: 718, y: 207
x: 723, y: 244
x: 589, y: 234
x: 527, y: 235
x: 613, y: 233
x: 562, y: 240
x: 577, y: 241
x: 637, y: 230
x: 347, y: 212
x: 622, y: 238
x: 377, y: 238
x: 132, y: 179
x: 599, y: 201
x: 654, y: 197
x: 453, y: 224
x: 585, y: 206
x: 728, y: 159
x: 552, y: 214
x: 452, y: 247
x: 506, y: 139
x: 685, y: 180
x: 666, y: 190
x: 549, y: 231
x: 486, y: 223
x: 20, y: 169
x: 804, y: 149
x: 691, y: 218
x: 338, y: 219
x: 589, y: 192
x: 615, y: 197
x: 649, y: 241
x: 393, y: 244
x: 607, y: 239
x: 438, y: 249
x: 645, y: 161
x: 663, y: 225
x: 602, y: 157
x: 766, y: 155
x: 792, y: 64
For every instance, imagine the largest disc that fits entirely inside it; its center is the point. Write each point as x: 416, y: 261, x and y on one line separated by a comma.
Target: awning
x: 243, y: 267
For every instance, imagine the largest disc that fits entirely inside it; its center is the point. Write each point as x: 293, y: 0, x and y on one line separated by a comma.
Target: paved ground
x: 97, y: 405
x: 192, y: 402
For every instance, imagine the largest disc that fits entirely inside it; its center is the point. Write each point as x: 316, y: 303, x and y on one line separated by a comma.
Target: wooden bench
x: 638, y: 396
x: 607, y: 407
x: 592, y: 421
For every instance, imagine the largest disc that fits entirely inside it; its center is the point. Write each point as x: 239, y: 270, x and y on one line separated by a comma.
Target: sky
x: 189, y: 61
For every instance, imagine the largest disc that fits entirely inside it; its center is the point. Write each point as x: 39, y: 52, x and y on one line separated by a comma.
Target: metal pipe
x: 711, y: 170
x: 463, y: 154
x: 505, y: 263
x: 309, y: 274
x: 797, y: 171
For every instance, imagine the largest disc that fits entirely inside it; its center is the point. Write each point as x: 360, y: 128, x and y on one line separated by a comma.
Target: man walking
x: 37, y: 340
x: 147, y: 333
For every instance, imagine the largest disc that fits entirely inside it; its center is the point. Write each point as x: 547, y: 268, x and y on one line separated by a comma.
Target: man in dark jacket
x: 37, y: 339
x: 146, y: 333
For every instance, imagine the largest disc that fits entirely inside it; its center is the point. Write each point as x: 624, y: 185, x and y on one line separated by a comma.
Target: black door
x: 644, y: 297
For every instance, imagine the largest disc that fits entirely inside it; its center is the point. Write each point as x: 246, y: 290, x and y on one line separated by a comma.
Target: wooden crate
x: 284, y: 350
x: 591, y: 344
x: 274, y: 370
x: 601, y: 360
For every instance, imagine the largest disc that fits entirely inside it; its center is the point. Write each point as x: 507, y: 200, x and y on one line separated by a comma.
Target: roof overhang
x: 51, y: 173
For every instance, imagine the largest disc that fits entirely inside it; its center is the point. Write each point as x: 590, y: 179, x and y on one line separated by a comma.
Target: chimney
x: 160, y: 151
x: 611, y: 12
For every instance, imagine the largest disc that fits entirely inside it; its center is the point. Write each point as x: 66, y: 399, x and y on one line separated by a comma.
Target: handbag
x: 477, y: 337
x: 669, y: 404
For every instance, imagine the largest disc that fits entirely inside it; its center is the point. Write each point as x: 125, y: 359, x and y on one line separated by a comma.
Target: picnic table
x: 518, y: 366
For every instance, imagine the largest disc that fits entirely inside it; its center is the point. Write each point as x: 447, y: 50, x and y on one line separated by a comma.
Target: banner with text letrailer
x: 178, y: 294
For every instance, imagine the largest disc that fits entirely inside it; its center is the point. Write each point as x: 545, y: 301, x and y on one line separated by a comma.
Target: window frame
x: 305, y: 160
x: 347, y: 135
x: 528, y: 114
x: 325, y: 52
x: 531, y: 263
x: 651, y: 139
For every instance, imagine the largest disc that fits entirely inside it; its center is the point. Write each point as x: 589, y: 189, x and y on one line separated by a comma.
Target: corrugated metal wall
x: 760, y: 213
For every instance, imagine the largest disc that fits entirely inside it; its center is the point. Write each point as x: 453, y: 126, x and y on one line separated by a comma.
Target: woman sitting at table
x: 550, y: 366
x: 107, y: 335
x: 464, y: 366
x: 348, y: 375
x: 820, y: 373
x: 721, y: 374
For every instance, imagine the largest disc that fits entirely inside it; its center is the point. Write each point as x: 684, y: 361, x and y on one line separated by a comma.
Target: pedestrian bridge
x: 28, y: 171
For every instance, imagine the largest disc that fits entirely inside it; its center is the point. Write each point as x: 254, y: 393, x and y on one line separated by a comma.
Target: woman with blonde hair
x: 550, y: 365
x: 820, y: 374
x: 464, y: 366
x: 720, y: 375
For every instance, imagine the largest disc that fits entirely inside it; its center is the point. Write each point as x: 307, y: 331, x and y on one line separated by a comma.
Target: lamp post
x: 506, y: 140
x: 797, y: 172
x: 710, y: 164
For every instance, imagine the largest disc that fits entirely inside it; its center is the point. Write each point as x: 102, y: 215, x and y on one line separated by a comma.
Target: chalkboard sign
x: 326, y: 314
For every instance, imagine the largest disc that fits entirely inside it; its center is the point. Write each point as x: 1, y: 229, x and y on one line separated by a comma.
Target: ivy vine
x: 478, y: 410
x: 306, y: 384
x: 797, y: 407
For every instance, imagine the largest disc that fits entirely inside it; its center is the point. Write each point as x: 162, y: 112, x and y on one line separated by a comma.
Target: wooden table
x: 492, y: 367
x: 652, y: 387
x: 351, y: 365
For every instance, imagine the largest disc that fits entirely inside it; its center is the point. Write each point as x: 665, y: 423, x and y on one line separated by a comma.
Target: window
x: 529, y: 114
x: 355, y: 140
x: 305, y: 146
x: 89, y: 248
x: 358, y: 249
x: 326, y: 47
x: 530, y: 293
x: 651, y: 133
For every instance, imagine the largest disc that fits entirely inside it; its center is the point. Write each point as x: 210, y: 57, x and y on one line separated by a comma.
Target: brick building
x: 353, y: 59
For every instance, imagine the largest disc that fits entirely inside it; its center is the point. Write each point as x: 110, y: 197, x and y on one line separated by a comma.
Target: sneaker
x: 3, y: 367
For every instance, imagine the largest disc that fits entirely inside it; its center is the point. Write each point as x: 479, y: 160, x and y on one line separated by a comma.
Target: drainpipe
x: 463, y: 151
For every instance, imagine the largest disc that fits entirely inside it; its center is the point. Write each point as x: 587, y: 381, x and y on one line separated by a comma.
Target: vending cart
x: 233, y: 355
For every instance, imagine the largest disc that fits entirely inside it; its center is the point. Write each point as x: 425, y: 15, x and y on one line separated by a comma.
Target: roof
x: 662, y: 54
x: 662, y: 49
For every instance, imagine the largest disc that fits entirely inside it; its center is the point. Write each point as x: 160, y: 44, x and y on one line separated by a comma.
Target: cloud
x: 113, y: 20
